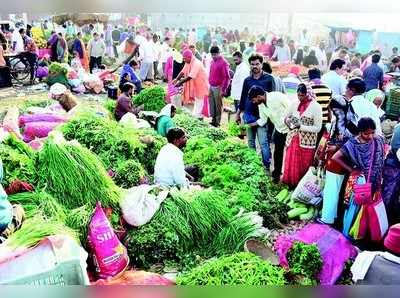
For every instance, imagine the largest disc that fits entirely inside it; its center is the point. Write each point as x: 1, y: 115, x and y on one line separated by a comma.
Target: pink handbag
x: 363, y: 192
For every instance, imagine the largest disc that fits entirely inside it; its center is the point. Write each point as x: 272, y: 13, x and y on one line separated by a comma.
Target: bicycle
x: 20, y: 69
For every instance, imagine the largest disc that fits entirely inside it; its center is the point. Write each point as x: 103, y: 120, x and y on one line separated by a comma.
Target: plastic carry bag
x: 109, y: 255
x: 139, y: 205
x: 24, y: 119
x: 335, y: 249
x: 310, y: 188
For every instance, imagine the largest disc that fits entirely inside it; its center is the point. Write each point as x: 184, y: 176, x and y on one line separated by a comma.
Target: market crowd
x: 327, y: 112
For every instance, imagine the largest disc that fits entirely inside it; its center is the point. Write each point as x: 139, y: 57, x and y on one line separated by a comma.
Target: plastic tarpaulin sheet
x: 386, y: 41
x: 365, y: 41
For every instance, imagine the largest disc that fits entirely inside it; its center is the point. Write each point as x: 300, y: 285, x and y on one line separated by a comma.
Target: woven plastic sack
x: 38, y: 130
x: 335, y: 249
x: 109, y: 255
x: 24, y: 119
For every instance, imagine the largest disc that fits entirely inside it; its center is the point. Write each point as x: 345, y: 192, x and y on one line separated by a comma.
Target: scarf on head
x: 310, y: 97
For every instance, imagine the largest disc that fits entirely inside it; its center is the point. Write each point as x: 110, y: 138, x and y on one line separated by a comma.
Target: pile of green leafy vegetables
x: 113, y: 143
x: 305, y: 262
x: 129, y: 174
x: 184, y: 226
x: 237, y: 269
x: 40, y: 202
x: 152, y: 98
x: 58, y: 68
x: 75, y: 176
x: 18, y: 161
x: 232, y: 167
x: 195, y: 127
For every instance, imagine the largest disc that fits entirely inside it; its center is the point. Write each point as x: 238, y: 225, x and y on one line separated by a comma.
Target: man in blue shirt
x: 373, y: 74
x: 128, y: 75
x: 250, y: 110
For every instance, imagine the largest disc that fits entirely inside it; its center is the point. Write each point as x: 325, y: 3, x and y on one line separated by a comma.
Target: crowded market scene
x: 199, y: 149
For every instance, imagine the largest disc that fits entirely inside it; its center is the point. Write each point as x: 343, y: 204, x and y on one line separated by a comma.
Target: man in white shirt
x: 169, y: 169
x: 241, y: 73
x: 282, y: 52
x: 334, y: 78
x: 321, y: 56
x: 361, y: 107
x: 274, y: 106
x: 96, y: 49
x: 146, y: 57
x: 17, y: 42
x: 155, y: 44
x: 192, y: 37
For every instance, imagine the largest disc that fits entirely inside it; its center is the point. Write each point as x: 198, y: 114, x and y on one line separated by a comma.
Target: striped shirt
x: 323, y: 95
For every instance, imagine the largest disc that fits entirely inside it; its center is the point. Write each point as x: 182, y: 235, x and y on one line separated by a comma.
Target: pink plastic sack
x: 335, y: 249
x: 109, y: 255
x: 40, y: 118
x: 38, y: 130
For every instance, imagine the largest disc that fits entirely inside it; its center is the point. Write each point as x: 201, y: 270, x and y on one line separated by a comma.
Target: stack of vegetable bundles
x: 187, y: 225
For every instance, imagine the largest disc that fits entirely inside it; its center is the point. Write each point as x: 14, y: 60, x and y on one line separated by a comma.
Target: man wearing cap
x: 275, y: 107
x: 193, y: 77
x: 292, y: 81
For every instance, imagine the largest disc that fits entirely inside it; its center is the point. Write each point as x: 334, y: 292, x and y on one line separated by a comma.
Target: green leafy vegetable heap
x: 230, y: 166
x: 75, y: 176
x: 152, y: 98
x: 58, y: 68
x: 305, y: 260
x: 113, y: 143
x: 238, y: 269
x: 110, y: 106
x: 189, y: 223
x: 129, y: 174
x: 195, y: 127
x: 18, y: 161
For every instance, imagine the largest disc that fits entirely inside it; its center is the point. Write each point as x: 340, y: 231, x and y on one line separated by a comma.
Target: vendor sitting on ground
x: 124, y: 102
x: 128, y: 75
x: 169, y: 169
x: 164, y: 120
x: 11, y: 216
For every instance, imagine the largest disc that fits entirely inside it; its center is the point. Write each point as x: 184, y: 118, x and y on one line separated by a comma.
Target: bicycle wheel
x: 20, y: 70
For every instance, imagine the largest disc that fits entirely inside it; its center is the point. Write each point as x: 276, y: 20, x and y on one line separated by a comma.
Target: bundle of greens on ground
x: 195, y: 127
x: 153, y: 98
x: 112, y: 142
x: 35, y: 229
x: 18, y: 161
x: 305, y: 262
x: 110, y: 106
x: 75, y: 176
x: 232, y: 167
x: 232, y: 237
x: 129, y: 174
x: 187, y: 226
x: 237, y: 269
x: 40, y: 202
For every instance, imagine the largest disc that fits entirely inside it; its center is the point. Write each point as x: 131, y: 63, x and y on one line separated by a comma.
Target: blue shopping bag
x: 352, y: 211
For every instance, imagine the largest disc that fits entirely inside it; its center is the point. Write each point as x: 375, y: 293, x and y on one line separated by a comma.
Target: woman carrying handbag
x: 363, y: 157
